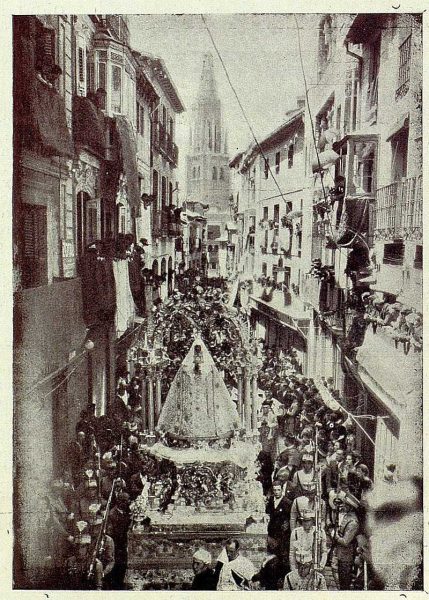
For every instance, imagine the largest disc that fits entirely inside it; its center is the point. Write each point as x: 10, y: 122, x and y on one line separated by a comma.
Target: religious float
x: 200, y: 487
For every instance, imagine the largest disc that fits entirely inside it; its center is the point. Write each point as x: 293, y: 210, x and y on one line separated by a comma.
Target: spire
x: 208, y: 88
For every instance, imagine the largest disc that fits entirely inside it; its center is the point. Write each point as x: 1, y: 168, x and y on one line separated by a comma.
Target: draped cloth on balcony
x: 125, y: 309
x: 354, y: 222
x: 39, y: 108
x: 198, y: 405
x: 128, y: 148
x: 98, y: 289
x: 88, y: 125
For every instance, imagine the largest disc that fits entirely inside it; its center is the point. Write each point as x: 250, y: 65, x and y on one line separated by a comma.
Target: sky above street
x: 260, y: 52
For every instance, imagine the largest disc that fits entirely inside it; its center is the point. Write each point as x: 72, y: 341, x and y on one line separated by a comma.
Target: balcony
x: 399, y: 210
x: 163, y: 142
x: 165, y: 223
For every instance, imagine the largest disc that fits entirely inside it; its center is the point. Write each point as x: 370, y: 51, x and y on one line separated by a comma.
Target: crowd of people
x: 314, y: 483
x: 312, y: 475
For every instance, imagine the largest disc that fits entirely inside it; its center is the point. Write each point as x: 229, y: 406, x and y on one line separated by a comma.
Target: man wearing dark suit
x: 278, y: 509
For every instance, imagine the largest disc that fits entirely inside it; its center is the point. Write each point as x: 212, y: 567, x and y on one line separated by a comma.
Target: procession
x: 311, y: 479
x: 218, y: 302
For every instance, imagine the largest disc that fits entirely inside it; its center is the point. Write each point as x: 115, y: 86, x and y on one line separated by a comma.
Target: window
x: 194, y: 172
x: 266, y: 167
x: 221, y: 174
x: 163, y: 191
x: 122, y: 219
x: 35, y: 246
x: 326, y: 42
x: 276, y: 213
x: 102, y: 75
x: 62, y: 57
x: 214, y: 174
x: 198, y: 172
x: 338, y: 120
x: 209, y: 130
x: 90, y: 76
x: 116, y: 88
x: 374, y: 66
x: 265, y: 213
x: 290, y: 152
x: 264, y: 269
x: 277, y: 162
x: 393, y: 253
x: 418, y: 258
x: 357, y: 163
x: 404, y: 67
x: 140, y: 118
x: 86, y: 220
x: 155, y: 187
x: 170, y: 193
x: 399, y: 154
x: 45, y: 53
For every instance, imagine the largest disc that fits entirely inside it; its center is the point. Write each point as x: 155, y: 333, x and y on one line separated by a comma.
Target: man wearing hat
x: 303, y: 540
x: 304, y: 577
x: 304, y: 480
x: 300, y: 505
x: 345, y: 537
x: 204, y: 576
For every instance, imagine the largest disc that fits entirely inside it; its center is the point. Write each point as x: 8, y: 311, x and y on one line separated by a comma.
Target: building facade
x: 271, y: 212
x: 365, y: 280
x: 207, y: 171
x: 84, y: 155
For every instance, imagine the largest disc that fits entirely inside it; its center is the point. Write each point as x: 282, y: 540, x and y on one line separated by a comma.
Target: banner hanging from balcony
x: 98, y: 287
x: 128, y: 149
x: 353, y: 222
x: 125, y: 309
x: 88, y: 125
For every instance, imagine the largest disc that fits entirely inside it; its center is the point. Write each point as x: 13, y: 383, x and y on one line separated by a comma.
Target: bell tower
x: 207, y: 176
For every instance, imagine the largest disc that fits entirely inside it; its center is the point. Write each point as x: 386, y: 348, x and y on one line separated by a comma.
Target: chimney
x: 300, y: 101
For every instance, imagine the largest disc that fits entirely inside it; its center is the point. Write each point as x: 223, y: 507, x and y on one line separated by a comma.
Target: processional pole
x: 317, y: 507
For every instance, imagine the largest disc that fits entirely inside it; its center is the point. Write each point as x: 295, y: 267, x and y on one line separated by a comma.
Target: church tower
x: 207, y: 176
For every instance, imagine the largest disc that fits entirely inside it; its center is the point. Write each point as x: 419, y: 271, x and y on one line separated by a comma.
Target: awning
x: 363, y: 27
x: 231, y: 226
x: 129, y: 160
x: 402, y: 123
x: 392, y: 376
x: 297, y: 322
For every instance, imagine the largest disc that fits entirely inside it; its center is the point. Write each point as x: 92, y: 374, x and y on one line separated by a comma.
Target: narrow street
x: 218, y: 302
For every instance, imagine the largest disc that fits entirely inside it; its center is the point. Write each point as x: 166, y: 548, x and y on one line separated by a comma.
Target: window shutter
x: 35, y: 263
x: 90, y: 80
x: 81, y: 65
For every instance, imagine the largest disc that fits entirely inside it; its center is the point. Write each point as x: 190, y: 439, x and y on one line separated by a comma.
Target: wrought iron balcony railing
x: 399, y: 210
